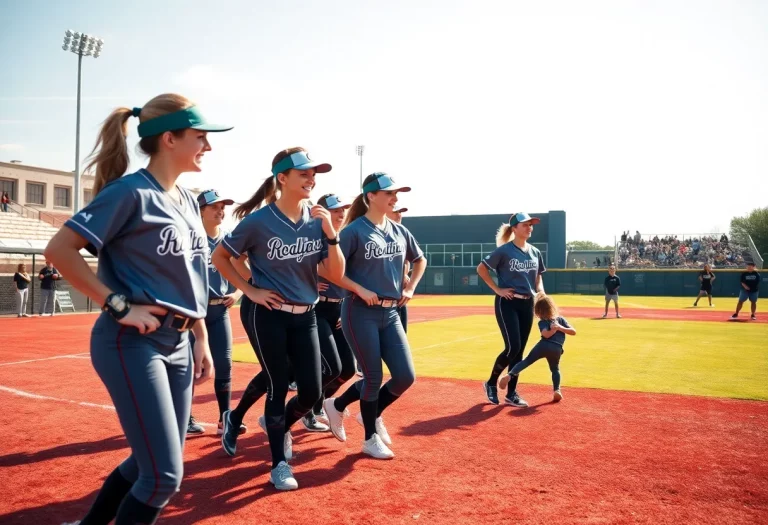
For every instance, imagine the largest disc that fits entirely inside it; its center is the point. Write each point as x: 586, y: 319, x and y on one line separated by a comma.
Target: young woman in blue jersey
x: 376, y: 250
x: 153, y: 282
x: 518, y: 266
x: 396, y: 215
x: 221, y: 297
x: 333, y: 344
x: 285, y: 242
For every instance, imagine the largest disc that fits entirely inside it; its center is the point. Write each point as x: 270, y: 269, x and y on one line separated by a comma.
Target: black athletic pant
x: 282, y: 341
x: 515, y: 318
x: 337, y: 358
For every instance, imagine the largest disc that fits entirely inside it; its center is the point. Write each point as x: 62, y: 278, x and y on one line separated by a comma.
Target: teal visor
x: 300, y: 161
x: 186, y: 118
x: 383, y: 182
x: 332, y: 202
x: 521, y: 217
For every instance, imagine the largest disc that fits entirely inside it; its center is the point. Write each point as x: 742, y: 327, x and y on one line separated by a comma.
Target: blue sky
x: 628, y: 115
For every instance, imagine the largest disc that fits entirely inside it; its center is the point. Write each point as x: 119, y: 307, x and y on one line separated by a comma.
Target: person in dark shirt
x: 612, y: 284
x: 553, y: 330
x: 750, y: 286
x: 48, y: 277
x: 706, y: 278
x: 22, y: 279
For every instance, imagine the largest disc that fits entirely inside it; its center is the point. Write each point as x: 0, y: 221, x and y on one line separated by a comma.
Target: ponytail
x: 358, y: 209
x: 110, y: 154
x: 266, y: 192
x: 504, y: 234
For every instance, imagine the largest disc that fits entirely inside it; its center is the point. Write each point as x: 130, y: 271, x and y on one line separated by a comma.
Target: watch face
x: 118, y: 303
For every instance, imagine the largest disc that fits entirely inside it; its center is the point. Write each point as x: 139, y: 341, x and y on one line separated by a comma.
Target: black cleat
x: 229, y: 436
x: 491, y: 393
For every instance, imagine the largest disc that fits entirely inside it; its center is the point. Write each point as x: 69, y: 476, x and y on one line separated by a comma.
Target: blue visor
x: 300, y: 161
x: 332, y: 202
x: 212, y: 197
x: 518, y: 218
x: 186, y: 118
x: 383, y: 182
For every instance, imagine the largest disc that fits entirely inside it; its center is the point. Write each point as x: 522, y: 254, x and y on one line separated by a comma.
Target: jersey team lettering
x: 522, y: 266
x: 374, y: 250
x: 172, y: 242
x: 303, y: 247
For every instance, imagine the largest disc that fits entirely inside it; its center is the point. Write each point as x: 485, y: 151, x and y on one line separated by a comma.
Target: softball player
x: 333, y: 344
x: 376, y: 250
x: 611, y: 285
x: 706, y: 278
x: 221, y: 297
x: 750, y: 289
x: 553, y: 330
x: 153, y: 282
x: 396, y: 215
x: 518, y: 266
x: 285, y: 242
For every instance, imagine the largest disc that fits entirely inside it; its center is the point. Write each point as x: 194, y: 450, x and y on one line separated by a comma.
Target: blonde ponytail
x: 358, y: 209
x: 503, y: 234
x: 110, y: 154
x: 266, y: 192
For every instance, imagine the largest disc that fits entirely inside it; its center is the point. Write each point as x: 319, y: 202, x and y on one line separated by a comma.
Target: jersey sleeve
x: 542, y: 268
x: 107, y: 214
x: 618, y: 281
x: 543, y: 325
x: 564, y: 322
x: 413, y: 251
x: 493, y: 259
x: 348, y: 242
x: 324, y: 249
x: 242, y: 238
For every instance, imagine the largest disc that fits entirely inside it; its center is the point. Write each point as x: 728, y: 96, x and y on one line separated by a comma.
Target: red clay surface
x: 597, y: 457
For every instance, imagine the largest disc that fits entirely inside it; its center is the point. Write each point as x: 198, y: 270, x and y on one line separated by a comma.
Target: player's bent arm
x: 63, y: 250
x: 222, y: 260
x: 546, y: 334
x: 335, y: 264
x: 485, y: 275
x: 345, y: 282
x: 567, y: 331
x: 419, y: 267
x: 242, y: 267
x: 540, y: 285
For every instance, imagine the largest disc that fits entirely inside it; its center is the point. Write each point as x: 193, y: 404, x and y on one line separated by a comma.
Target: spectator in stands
x: 5, y: 199
x: 48, y: 277
x: 624, y: 236
x: 724, y: 239
x: 597, y: 261
x: 22, y: 279
x: 637, y: 237
x: 584, y: 263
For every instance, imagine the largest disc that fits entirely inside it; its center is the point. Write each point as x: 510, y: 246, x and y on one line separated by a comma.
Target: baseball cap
x: 212, y: 197
x: 332, y: 202
x: 519, y: 217
x: 383, y: 182
x: 300, y: 161
x: 183, y: 119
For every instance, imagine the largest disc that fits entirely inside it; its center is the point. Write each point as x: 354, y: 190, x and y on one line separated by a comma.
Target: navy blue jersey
x: 48, y: 282
x: 283, y: 255
x: 21, y: 282
x: 151, y: 248
x: 558, y: 337
x: 612, y: 284
x: 515, y: 268
x: 218, y: 286
x: 752, y: 280
x: 376, y: 257
x: 333, y: 291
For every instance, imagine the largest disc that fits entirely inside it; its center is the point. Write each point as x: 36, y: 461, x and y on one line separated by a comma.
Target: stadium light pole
x: 360, y: 150
x: 83, y: 45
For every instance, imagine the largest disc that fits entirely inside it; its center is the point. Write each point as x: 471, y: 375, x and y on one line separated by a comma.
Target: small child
x: 553, y: 330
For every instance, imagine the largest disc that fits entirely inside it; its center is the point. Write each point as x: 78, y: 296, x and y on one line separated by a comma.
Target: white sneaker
x: 558, y: 396
x: 282, y: 477
x: 381, y: 430
x: 287, y: 443
x: 376, y: 448
x: 335, y: 419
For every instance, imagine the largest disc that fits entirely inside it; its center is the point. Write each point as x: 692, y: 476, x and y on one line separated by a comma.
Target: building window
x: 87, y: 197
x: 61, y: 197
x: 9, y: 185
x: 36, y: 193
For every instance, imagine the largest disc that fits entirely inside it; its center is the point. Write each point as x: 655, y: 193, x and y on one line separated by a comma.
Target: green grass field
x: 716, y: 359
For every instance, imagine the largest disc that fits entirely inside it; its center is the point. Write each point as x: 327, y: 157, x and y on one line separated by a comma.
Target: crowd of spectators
x: 670, y: 251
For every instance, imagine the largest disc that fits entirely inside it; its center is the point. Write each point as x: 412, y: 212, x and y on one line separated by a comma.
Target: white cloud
x: 11, y: 147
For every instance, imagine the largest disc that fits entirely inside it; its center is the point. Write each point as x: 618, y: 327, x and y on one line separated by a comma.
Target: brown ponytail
x: 503, y: 234
x: 268, y: 189
x: 110, y: 154
x: 360, y: 204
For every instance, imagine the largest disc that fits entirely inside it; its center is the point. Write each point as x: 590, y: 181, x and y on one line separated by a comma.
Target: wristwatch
x: 117, y: 305
x: 334, y: 241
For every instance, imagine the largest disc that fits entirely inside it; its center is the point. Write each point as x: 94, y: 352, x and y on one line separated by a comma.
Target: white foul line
x: 454, y: 341
x: 68, y: 356
x: 31, y: 395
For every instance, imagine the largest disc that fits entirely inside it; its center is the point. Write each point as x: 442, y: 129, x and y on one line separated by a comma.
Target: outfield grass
x: 716, y: 359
